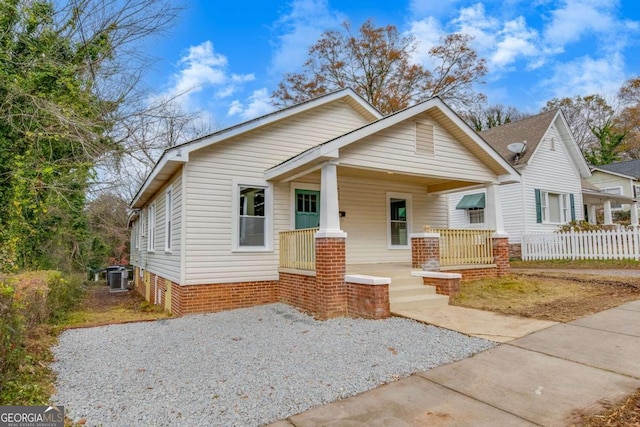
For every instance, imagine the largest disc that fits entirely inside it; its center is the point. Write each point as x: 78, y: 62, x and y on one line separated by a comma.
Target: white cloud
x: 259, y: 103
x: 577, y: 18
x: 586, y: 75
x: 515, y: 40
x: 298, y: 30
x: 203, y: 68
x: 427, y: 33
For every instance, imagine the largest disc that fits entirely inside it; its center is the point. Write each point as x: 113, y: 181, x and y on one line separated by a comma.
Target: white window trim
x: 292, y: 203
x: 484, y: 211
x: 409, y: 200
x: 565, y: 208
x: 135, y: 234
x: 151, y: 232
x: 235, y: 214
x: 619, y: 188
x: 168, y: 220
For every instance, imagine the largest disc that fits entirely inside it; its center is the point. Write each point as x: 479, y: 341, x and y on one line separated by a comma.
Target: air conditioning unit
x: 117, y: 279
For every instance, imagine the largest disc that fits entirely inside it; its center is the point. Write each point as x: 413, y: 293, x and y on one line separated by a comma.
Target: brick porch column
x: 331, y: 261
x: 501, y: 254
x: 425, y: 249
x: 331, y: 289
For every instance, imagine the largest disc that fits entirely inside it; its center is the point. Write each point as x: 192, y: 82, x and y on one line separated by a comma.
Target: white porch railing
x: 298, y: 249
x: 598, y: 244
x: 465, y: 247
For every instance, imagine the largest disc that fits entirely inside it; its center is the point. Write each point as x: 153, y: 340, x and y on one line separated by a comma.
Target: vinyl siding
x: 552, y: 171
x: 160, y: 262
x: 605, y: 180
x: 210, y: 174
x: 134, y: 257
x: 395, y: 149
x: 548, y: 170
x: 365, y: 205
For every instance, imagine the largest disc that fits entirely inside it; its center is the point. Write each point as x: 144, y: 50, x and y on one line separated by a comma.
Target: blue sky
x: 227, y: 57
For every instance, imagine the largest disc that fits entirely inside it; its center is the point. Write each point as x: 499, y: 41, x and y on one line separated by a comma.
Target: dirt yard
x: 547, y: 295
x: 102, y: 307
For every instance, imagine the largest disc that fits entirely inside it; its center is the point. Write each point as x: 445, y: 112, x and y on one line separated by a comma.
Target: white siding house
x: 333, y: 162
x: 549, y: 193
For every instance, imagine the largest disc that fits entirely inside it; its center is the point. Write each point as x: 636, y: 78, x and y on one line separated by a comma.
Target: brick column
x: 425, y: 249
x: 501, y: 255
x: 331, y: 290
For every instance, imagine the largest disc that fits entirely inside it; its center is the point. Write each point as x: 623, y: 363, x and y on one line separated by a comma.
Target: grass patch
x: 625, y: 264
x: 560, y: 299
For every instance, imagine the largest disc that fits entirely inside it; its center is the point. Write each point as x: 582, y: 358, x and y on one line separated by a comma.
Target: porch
x: 440, y: 259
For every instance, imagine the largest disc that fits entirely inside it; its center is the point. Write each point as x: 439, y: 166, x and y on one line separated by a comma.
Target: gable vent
x: 424, y: 139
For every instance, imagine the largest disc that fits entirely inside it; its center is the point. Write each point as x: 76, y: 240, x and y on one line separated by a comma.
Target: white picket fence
x: 600, y: 244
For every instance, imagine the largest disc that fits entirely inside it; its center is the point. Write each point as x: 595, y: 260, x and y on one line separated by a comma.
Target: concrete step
x: 406, y: 280
x: 408, y: 303
x: 410, y: 291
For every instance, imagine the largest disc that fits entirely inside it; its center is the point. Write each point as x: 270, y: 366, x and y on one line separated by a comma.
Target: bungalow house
x: 553, y: 189
x: 277, y: 208
x: 620, y: 178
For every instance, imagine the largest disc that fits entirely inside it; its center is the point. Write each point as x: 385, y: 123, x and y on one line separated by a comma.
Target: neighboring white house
x: 620, y: 178
x: 549, y: 193
x: 207, y: 222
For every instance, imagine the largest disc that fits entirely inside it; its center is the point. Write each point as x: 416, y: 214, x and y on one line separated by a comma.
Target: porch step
x: 410, y: 291
x: 406, y: 292
x: 427, y: 300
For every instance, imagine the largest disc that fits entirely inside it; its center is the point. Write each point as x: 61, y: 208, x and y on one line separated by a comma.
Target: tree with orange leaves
x: 376, y: 63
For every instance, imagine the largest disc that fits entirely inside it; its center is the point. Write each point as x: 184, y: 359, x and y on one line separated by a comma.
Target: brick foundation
x: 222, y: 296
x: 474, y: 273
x: 298, y: 290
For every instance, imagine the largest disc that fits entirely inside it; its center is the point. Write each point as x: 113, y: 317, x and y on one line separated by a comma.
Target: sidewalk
x: 547, y: 378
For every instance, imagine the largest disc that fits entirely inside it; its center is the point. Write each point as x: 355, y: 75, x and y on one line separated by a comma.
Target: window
x: 554, y: 208
x: 474, y: 204
x: 476, y: 215
x: 251, y: 216
x: 151, y: 220
x: 614, y: 190
x: 398, y: 209
x: 168, y: 214
x: 135, y: 234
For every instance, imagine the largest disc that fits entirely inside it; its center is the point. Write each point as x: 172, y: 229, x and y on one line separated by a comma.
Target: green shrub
x: 64, y: 294
x: 28, y: 303
x: 11, y: 333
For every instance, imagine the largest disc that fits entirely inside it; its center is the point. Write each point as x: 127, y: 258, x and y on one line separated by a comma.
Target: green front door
x: 307, y: 209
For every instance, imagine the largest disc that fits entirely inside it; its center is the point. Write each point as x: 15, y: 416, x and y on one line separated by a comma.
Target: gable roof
x: 532, y: 130
x: 173, y: 157
x: 629, y: 168
x: 434, y: 106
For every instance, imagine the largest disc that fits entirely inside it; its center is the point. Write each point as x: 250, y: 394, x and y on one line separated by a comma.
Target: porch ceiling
x: 431, y: 183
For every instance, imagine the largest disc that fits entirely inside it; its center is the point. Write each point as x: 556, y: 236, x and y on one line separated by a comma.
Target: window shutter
x: 538, y: 207
x: 572, y: 201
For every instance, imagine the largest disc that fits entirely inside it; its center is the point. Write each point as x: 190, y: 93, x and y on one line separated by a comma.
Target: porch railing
x: 465, y: 247
x: 298, y: 249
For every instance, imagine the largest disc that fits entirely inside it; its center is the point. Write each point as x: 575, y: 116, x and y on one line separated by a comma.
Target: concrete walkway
x: 478, y: 323
x: 547, y: 378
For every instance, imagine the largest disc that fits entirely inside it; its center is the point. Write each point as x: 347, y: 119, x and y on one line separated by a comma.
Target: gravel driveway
x: 245, y: 367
